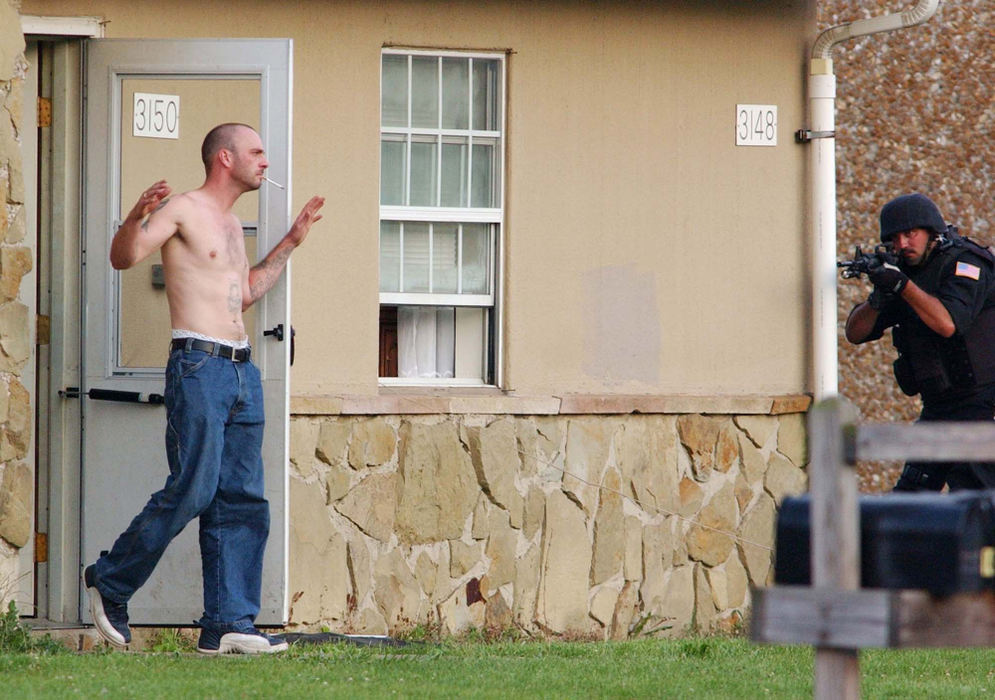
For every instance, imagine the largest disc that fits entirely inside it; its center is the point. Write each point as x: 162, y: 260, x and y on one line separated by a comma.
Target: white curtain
x: 426, y: 341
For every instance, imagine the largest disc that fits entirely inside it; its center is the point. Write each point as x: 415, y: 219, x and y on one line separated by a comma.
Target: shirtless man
x: 213, y: 396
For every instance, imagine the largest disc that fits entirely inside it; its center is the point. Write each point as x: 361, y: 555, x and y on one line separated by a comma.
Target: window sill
x: 491, y: 400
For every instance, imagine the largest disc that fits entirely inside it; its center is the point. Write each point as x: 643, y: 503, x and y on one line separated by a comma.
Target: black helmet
x: 908, y: 212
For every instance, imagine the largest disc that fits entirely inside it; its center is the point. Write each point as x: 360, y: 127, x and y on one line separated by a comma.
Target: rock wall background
x: 915, y: 112
x: 594, y: 526
x: 16, y: 474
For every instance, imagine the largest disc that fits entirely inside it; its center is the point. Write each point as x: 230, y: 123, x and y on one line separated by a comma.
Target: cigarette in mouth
x: 274, y: 183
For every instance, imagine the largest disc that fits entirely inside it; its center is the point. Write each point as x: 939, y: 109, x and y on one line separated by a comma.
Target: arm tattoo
x: 267, y: 272
x: 160, y: 205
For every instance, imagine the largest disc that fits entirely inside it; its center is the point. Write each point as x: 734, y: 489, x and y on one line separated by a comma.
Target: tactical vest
x: 940, y: 368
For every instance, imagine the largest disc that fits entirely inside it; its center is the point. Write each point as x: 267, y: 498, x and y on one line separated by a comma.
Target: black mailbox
x: 941, y: 543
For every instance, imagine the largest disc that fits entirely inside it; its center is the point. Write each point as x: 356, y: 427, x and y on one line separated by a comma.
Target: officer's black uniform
x: 955, y: 375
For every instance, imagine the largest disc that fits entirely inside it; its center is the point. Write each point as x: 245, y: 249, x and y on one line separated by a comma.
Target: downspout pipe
x: 822, y: 113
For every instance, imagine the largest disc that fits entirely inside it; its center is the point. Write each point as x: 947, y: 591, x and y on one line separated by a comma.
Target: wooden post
x: 835, y: 534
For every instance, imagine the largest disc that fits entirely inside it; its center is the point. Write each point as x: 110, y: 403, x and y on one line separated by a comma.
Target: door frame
x: 56, y: 209
x: 60, y: 249
x: 30, y: 376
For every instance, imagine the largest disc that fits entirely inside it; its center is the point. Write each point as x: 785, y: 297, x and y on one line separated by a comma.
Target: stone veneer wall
x: 16, y: 472
x: 578, y: 525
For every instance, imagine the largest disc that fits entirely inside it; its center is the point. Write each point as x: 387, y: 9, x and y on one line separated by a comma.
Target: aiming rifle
x: 863, y: 263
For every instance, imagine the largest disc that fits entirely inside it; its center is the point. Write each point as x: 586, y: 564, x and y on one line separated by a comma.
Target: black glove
x: 879, y: 299
x: 888, y: 278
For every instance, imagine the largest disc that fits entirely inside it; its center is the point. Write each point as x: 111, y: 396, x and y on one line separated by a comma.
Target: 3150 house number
x: 157, y: 116
x: 756, y: 125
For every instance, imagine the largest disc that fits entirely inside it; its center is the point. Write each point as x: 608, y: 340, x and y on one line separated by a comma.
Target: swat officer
x: 937, y: 294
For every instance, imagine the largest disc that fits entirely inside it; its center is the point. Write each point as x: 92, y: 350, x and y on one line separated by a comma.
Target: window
x: 441, y: 212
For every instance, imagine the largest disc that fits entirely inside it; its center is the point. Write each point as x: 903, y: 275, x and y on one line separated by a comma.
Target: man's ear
x: 225, y: 156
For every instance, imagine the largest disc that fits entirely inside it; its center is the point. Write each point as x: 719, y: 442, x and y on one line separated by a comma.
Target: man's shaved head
x: 220, y: 137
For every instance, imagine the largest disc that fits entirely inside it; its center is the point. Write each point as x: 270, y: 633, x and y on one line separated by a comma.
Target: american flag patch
x: 967, y: 270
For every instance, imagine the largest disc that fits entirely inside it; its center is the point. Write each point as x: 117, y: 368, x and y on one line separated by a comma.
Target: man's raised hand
x: 302, y: 224
x: 150, y: 199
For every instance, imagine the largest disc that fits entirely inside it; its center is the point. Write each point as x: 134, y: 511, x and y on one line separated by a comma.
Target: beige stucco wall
x: 16, y: 469
x: 644, y: 252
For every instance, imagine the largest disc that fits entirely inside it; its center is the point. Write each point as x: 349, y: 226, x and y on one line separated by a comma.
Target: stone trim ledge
x: 568, y: 404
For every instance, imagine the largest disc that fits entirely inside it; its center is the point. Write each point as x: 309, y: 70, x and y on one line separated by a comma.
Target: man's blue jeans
x: 214, y: 433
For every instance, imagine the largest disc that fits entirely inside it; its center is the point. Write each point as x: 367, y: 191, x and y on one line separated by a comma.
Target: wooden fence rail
x: 937, y: 442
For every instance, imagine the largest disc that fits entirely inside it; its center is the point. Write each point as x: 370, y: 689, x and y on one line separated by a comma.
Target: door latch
x: 276, y: 332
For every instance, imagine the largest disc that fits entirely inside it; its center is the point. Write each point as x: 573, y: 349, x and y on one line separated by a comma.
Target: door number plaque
x: 157, y: 116
x: 756, y: 125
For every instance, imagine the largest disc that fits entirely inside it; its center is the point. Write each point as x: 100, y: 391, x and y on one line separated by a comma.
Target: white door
x: 148, y: 105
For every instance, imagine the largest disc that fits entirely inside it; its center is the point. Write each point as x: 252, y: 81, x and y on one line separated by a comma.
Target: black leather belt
x: 216, y: 349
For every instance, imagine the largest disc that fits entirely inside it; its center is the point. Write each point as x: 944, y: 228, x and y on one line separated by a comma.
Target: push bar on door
x: 113, y: 395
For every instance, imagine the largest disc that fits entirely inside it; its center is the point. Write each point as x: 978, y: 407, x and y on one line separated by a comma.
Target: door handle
x: 277, y: 332
x: 73, y: 392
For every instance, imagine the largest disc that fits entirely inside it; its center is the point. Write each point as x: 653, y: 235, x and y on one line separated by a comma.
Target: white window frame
x: 457, y: 215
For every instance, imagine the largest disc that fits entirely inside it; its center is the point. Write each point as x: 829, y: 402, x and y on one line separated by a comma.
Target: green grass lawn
x: 706, y: 668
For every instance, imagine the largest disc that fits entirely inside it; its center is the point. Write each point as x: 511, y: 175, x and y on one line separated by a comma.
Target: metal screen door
x: 149, y: 104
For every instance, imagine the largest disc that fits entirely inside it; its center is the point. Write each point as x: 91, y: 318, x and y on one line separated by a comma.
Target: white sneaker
x: 247, y: 640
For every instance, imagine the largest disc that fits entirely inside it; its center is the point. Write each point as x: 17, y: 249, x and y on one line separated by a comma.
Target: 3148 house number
x: 756, y: 125
x: 157, y: 116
